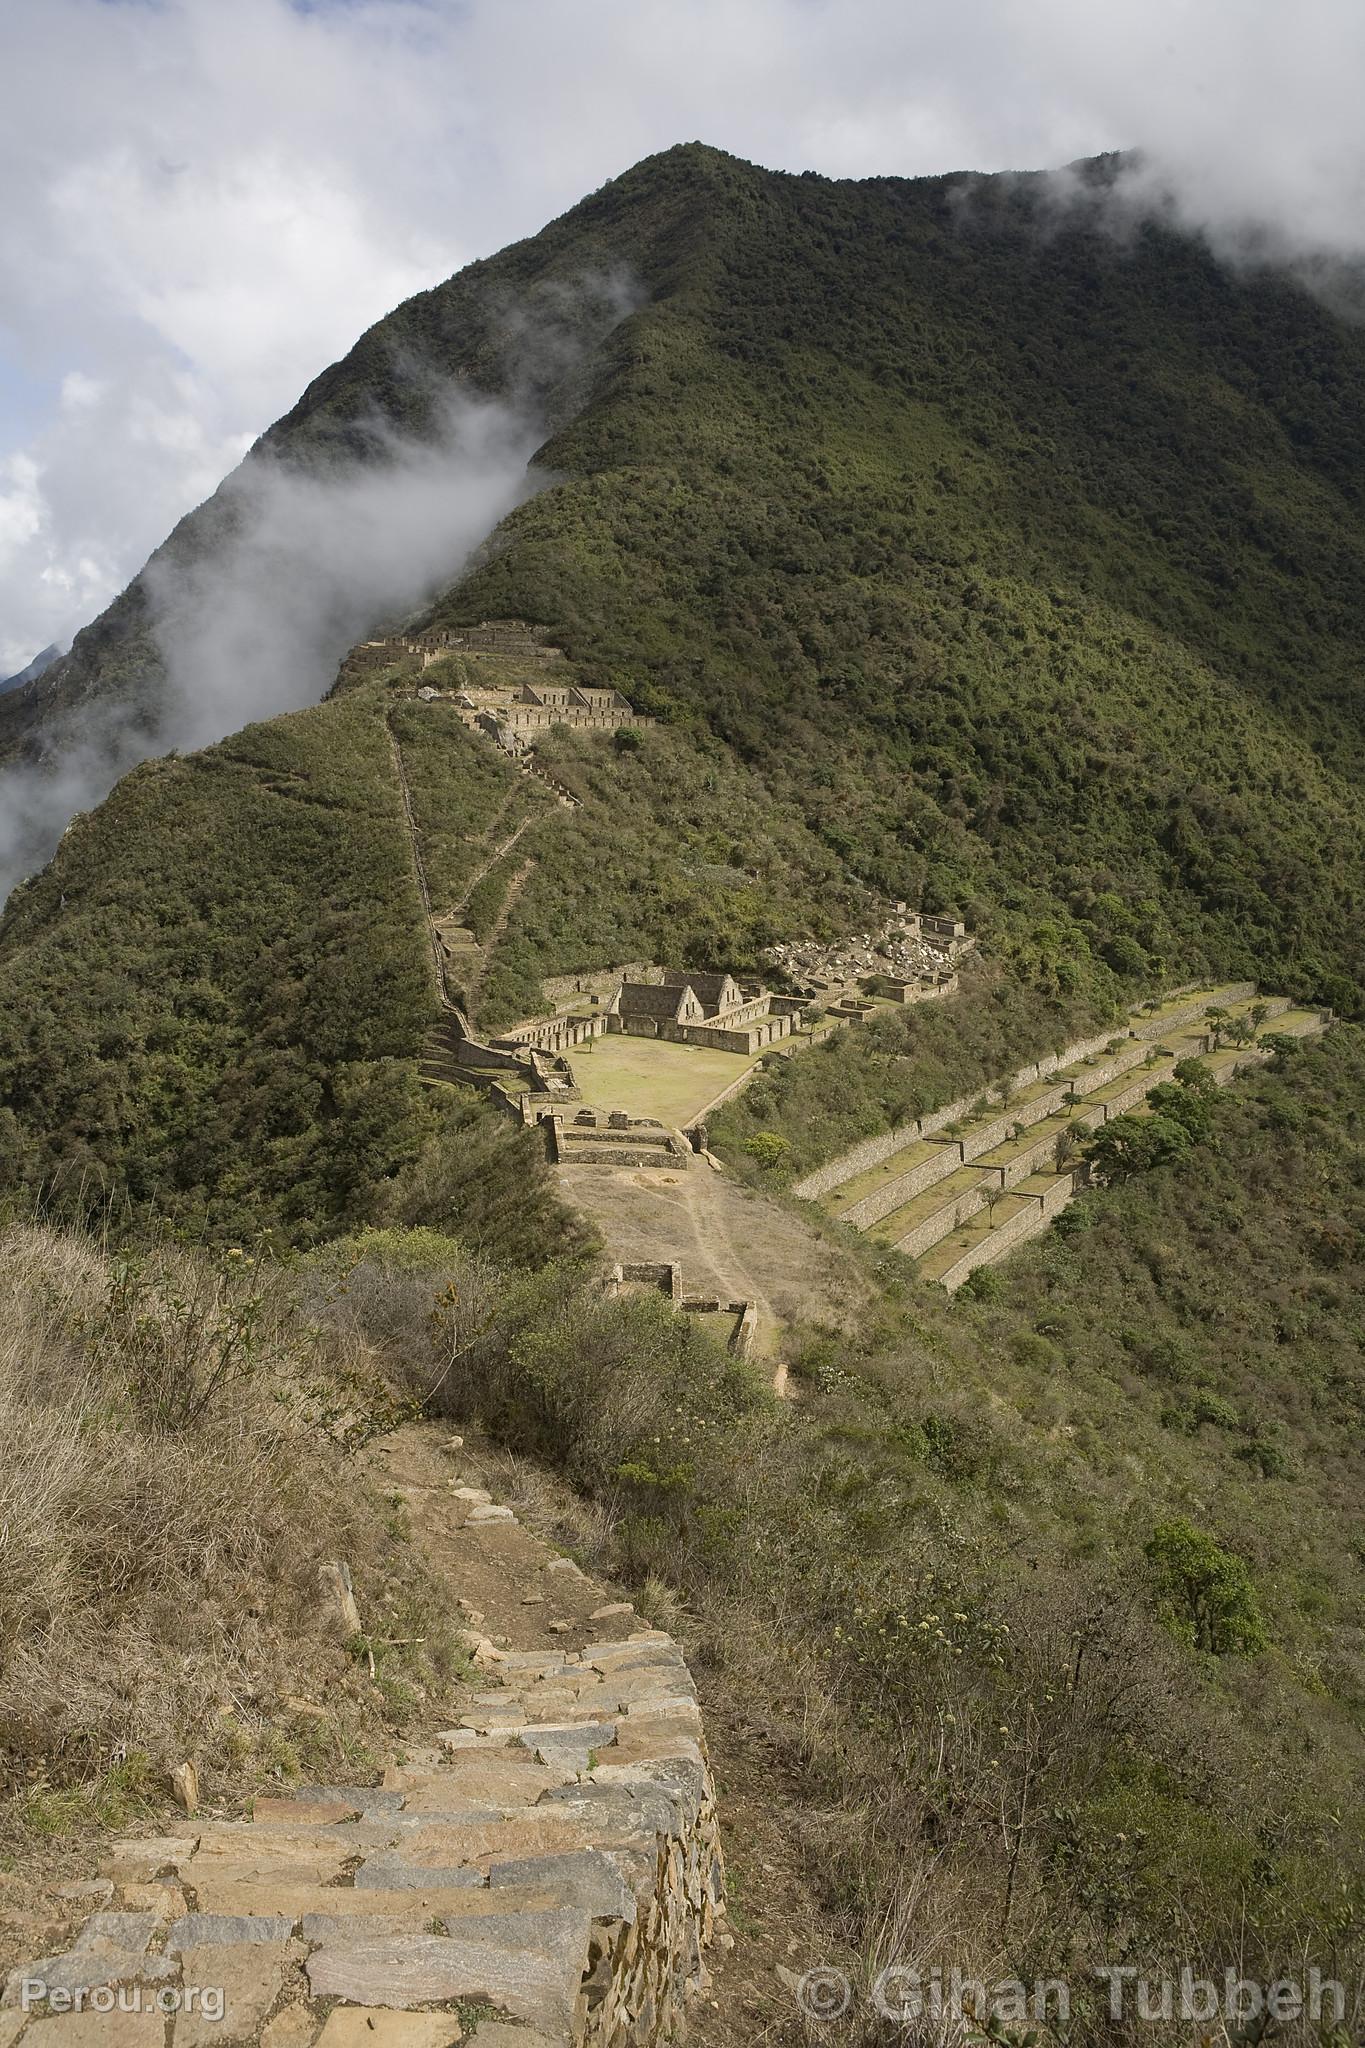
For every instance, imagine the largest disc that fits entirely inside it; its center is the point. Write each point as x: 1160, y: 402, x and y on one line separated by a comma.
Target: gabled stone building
x: 702, y: 1009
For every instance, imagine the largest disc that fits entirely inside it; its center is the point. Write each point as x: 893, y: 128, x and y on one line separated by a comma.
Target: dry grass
x: 173, y: 1477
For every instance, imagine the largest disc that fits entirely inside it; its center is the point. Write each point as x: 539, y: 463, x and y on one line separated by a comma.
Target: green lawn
x: 653, y: 1077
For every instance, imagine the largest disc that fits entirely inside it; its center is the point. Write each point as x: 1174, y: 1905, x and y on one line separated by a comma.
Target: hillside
x: 1024, y: 565
x: 962, y: 554
x: 945, y: 549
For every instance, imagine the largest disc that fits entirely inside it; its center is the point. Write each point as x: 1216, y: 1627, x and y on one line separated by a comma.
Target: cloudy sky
x: 205, y: 201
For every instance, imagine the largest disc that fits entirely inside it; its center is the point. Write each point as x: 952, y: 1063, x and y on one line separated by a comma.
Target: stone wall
x: 931, y: 1230
x: 1016, y: 1229
x: 1231, y: 992
x: 555, y: 1034
x: 1138, y: 1090
x: 746, y: 1038
x: 905, y: 1186
x: 561, y: 989
x: 667, y: 1277
x: 908, y: 992
x: 872, y: 1152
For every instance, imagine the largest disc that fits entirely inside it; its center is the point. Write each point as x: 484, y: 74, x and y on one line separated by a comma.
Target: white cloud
x: 205, y: 203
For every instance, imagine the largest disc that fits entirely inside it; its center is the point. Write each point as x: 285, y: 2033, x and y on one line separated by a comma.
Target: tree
x: 1205, y: 1594
x: 1134, y: 1144
x: 1192, y: 1107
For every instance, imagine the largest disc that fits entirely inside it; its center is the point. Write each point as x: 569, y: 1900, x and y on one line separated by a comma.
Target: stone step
x: 556, y: 1863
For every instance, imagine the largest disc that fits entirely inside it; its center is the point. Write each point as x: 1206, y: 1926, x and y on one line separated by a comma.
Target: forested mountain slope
x: 965, y: 552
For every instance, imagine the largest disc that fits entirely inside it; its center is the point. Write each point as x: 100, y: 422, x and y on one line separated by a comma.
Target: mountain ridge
x: 955, y: 556
x: 983, y: 562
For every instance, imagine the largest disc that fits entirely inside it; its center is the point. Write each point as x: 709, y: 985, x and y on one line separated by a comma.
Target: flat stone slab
x: 368, y: 1799
x: 576, y: 1747
x: 396, y: 1874
x: 344, y: 1902
x: 250, y: 1977
x: 542, y: 1830
x: 99, y: 2030
x: 370, y: 2026
x: 86, y: 1970
x: 507, y: 1777
x: 225, y: 1930
x: 585, y: 1879
x: 293, y: 2026
x: 314, y: 1811
x: 146, y: 1855
x: 529, y: 1964
x: 129, y: 1932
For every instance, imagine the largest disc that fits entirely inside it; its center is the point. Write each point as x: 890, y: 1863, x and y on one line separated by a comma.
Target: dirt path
x: 515, y: 886
x: 419, y: 869
x: 494, y: 857
x: 505, y: 908
x: 729, y: 1240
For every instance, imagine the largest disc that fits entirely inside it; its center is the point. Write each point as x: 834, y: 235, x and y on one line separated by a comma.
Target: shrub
x: 769, y: 1148
x: 1205, y: 1594
x: 172, y: 1480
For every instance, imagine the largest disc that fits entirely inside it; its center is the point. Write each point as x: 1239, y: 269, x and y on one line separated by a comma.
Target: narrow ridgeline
x: 965, y: 1185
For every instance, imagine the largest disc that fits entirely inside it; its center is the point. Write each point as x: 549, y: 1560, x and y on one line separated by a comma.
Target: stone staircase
x: 971, y: 1182
x: 545, y: 1874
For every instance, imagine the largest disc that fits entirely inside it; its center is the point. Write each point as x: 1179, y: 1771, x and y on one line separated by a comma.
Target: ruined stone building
x: 702, y: 1009
x: 515, y: 714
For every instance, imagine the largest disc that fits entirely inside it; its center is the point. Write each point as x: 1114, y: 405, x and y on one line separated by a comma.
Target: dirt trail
x: 489, y: 947
x: 729, y: 1239
x: 440, y: 961
x: 494, y: 857
x: 419, y: 870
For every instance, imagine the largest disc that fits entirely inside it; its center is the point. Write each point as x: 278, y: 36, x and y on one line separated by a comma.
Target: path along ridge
x: 545, y: 1874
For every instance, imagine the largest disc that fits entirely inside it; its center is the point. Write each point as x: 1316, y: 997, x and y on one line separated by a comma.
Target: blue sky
x: 207, y: 200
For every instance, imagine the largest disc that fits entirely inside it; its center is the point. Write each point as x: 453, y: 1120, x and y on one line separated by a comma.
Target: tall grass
x: 171, y: 1480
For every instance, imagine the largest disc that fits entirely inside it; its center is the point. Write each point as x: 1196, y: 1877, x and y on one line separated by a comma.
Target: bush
x: 769, y: 1148
x: 1204, y: 1593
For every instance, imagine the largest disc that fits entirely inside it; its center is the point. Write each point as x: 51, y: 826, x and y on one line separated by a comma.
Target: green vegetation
x: 1005, y: 571
x: 176, y: 1469
x: 899, y: 1065
x: 1178, y: 1114
x: 1205, y: 1593
x: 1026, y: 565
x: 997, y: 570
x: 1082, y: 1555
x: 213, y: 1002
